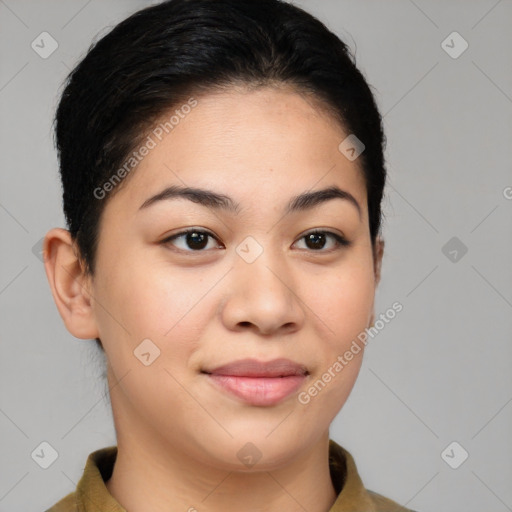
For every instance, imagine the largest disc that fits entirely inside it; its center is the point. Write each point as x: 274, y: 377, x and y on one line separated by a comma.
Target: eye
x: 195, y: 239
x: 316, y: 240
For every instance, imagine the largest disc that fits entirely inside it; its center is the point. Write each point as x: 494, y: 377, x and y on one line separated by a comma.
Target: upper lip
x: 254, y: 368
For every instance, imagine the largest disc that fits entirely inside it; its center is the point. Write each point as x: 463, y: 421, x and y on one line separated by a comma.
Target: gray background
x: 438, y: 373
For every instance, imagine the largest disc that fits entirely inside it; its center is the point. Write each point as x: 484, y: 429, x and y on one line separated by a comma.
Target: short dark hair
x: 161, y: 55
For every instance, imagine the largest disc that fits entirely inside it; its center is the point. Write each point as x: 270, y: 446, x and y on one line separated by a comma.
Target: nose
x: 263, y: 297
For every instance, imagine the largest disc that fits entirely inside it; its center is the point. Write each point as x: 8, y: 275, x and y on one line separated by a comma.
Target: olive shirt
x: 92, y: 495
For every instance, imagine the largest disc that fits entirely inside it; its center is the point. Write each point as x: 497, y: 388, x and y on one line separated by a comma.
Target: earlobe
x: 69, y: 284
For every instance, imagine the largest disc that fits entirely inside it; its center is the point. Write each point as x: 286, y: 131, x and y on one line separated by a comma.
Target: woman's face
x: 250, y: 284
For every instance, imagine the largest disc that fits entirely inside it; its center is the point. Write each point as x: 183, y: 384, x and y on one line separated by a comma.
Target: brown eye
x: 192, y: 240
x: 317, y: 240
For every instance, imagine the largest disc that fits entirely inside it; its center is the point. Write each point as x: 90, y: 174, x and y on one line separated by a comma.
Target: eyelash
x: 340, y: 240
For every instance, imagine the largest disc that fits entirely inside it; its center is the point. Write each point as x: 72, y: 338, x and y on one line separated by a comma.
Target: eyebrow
x: 216, y: 201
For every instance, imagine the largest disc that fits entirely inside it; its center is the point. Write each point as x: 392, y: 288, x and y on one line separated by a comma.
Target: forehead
x: 250, y: 144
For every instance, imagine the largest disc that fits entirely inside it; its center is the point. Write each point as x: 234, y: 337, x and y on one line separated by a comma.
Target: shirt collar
x: 92, y: 494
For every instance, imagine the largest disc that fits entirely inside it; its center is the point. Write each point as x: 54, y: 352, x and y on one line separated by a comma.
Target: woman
x: 222, y: 168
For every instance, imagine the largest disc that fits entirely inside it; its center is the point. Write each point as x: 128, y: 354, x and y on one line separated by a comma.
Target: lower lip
x: 259, y: 390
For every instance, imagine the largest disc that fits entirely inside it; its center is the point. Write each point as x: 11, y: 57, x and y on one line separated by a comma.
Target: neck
x: 147, y: 476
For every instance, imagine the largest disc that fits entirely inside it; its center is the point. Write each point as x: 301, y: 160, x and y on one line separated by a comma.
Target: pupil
x: 195, y: 239
x: 314, y: 238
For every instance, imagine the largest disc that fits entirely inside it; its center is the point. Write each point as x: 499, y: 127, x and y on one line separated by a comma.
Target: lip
x: 259, y: 383
x: 254, y: 368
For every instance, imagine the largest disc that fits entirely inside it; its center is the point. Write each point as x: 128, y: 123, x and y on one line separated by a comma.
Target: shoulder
x: 91, y: 489
x: 66, y: 504
x: 352, y: 494
x: 383, y: 504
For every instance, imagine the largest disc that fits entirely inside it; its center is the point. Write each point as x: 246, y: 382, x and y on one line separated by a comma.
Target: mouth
x: 258, y: 383
x: 254, y: 368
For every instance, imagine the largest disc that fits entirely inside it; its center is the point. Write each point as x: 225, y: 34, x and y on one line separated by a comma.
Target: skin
x: 178, y: 435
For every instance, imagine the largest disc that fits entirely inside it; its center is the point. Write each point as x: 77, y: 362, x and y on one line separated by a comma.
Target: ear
x: 69, y: 284
x: 378, y: 253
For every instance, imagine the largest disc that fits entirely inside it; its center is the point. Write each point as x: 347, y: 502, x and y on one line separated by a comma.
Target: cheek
x: 160, y: 304
x: 343, y: 301
x: 343, y: 305
x: 150, y: 312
